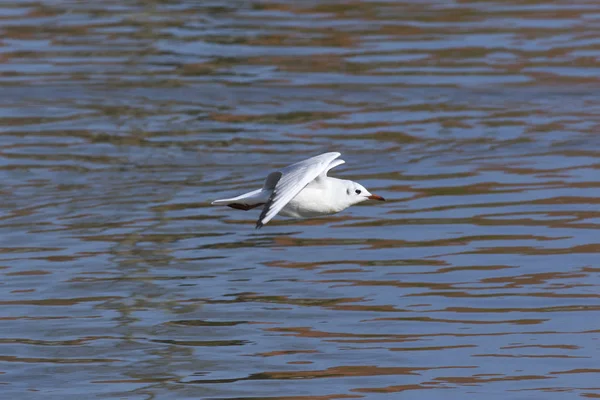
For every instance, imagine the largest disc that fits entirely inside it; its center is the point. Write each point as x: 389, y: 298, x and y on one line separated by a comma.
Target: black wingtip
x: 263, y: 213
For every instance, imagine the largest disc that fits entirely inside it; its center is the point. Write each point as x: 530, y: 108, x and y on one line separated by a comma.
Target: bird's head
x: 356, y: 193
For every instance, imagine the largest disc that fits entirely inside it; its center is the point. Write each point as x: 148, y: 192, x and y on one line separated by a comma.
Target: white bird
x: 302, y: 190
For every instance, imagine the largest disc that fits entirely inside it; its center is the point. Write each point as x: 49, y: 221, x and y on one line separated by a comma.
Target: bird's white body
x: 302, y: 190
x: 315, y: 200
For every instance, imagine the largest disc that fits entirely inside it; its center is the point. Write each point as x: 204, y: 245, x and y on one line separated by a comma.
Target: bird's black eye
x: 357, y: 191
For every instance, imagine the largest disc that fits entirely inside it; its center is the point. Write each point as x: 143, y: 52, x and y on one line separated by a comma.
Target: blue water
x: 120, y: 122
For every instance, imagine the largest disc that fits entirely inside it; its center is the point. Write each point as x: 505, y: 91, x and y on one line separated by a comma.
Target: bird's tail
x: 245, y: 201
x: 252, y: 199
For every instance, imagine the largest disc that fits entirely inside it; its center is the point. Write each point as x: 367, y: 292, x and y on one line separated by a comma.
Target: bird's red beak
x: 375, y: 197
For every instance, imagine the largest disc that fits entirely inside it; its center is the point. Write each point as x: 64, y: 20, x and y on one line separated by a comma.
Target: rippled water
x: 121, y: 121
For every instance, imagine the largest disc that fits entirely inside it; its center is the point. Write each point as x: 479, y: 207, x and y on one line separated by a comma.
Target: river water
x: 120, y: 121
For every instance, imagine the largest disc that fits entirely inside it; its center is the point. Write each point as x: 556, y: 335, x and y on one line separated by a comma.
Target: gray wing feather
x: 293, y: 179
x: 272, y: 180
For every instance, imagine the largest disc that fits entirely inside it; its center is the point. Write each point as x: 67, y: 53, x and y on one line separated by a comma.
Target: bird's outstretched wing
x: 293, y: 179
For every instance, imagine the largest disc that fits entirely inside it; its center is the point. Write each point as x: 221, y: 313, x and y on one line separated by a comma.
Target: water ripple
x: 119, y: 123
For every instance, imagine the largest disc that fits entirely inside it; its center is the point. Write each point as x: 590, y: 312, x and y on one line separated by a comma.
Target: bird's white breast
x: 312, y: 202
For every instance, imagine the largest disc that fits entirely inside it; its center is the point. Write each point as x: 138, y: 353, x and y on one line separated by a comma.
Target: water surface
x: 120, y: 122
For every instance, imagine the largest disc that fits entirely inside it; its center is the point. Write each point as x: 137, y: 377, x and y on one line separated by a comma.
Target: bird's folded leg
x: 245, y: 207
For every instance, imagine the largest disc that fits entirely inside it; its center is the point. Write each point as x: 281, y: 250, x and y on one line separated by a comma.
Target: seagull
x: 302, y: 190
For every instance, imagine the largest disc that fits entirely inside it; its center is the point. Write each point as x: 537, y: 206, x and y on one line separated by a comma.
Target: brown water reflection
x: 119, y: 122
